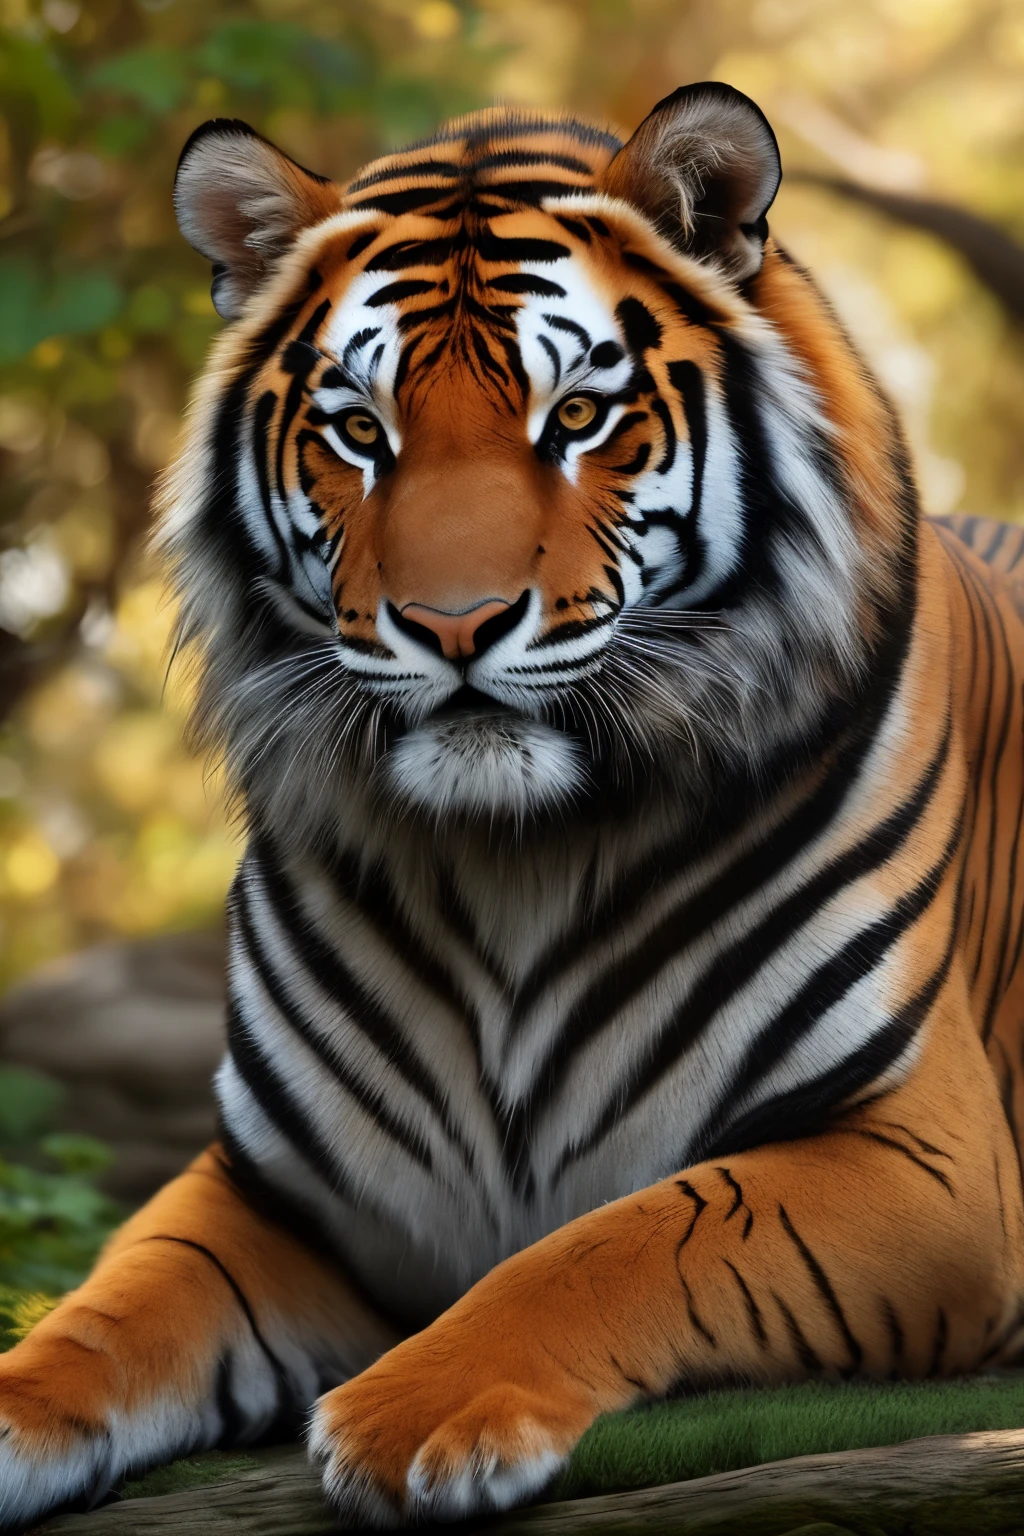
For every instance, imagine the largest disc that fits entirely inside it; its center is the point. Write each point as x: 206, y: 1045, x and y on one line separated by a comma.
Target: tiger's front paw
x: 52, y: 1451
x: 416, y: 1438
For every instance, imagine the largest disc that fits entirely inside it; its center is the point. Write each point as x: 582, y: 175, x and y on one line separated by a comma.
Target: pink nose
x: 456, y: 631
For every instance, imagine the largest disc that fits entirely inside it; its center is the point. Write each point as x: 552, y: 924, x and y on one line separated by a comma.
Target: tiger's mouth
x: 469, y: 702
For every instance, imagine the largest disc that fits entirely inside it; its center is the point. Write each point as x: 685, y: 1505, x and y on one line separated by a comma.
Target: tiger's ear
x: 240, y: 202
x: 704, y: 167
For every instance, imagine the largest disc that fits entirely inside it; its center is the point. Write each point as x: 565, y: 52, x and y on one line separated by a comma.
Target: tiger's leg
x: 890, y: 1245
x: 201, y: 1324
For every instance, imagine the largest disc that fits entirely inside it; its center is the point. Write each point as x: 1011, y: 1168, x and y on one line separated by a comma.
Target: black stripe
x: 700, y: 1205
x: 574, y: 227
x: 810, y: 1109
x: 897, y: 1146
x: 276, y: 1101
x: 1003, y: 976
x: 555, y: 356
x: 990, y: 552
x: 426, y: 314
x: 281, y: 1380
x: 826, y: 1291
x: 261, y: 419
x: 488, y: 363
x: 519, y: 124
x: 924, y: 1146
x: 738, y: 1202
x: 636, y: 464
x: 360, y: 243
x: 529, y: 193
x: 406, y: 201
x: 826, y: 986
x: 730, y: 970
x: 978, y: 608
x: 527, y: 282
x: 492, y: 247
x: 805, y: 1354
x: 370, y: 1100
x: 446, y: 169
x: 232, y: 1423
x: 394, y: 293
x: 641, y: 328
x: 522, y: 157
x: 371, y: 894
x: 696, y: 1321
x: 986, y: 602
x: 359, y: 1007
x: 515, y: 363
x: 571, y: 328
x: 254, y: 1185
x: 687, y: 378
x: 354, y: 344
x: 668, y: 457
x: 405, y: 362
x: 458, y: 918
x: 301, y: 357
x: 414, y: 253
x: 757, y: 1327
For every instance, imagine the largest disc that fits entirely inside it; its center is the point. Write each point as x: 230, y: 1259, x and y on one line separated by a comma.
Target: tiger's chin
x: 489, y: 764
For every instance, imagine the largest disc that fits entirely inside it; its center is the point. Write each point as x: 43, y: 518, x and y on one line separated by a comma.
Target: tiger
x: 625, y: 988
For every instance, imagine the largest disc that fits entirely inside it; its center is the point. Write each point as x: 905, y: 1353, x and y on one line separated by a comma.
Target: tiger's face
x: 511, y: 476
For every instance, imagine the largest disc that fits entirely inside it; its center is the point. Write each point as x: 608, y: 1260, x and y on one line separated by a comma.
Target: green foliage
x: 70, y: 303
x: 53, y: 1219
x: 32, y: 78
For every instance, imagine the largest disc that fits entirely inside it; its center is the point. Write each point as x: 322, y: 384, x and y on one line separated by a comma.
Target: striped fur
x: 636, y: 1001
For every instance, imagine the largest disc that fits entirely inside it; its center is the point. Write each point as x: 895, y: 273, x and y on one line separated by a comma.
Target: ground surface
x: 818, y: 1460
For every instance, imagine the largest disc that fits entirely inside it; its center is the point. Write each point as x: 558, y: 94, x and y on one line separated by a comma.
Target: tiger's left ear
x: 241, y: 202
x: 704, y: 167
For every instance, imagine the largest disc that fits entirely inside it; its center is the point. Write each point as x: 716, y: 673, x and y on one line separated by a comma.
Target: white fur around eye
x: 542, y: 339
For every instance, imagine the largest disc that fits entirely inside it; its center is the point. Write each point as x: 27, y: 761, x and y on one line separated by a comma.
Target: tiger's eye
x: 577, y: 413
x: 362, y: 429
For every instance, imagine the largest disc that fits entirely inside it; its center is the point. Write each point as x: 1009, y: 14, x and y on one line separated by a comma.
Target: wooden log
x: 940, y: 1486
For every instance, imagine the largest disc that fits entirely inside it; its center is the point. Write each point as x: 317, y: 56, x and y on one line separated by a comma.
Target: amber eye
x: 576, y: 413
x: 362, y: 429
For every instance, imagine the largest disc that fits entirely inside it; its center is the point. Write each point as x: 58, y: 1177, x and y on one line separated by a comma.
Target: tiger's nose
x: 458, y: 636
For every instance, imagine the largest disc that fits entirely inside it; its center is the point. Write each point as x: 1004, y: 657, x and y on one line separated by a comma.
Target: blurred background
x: 902, y: 130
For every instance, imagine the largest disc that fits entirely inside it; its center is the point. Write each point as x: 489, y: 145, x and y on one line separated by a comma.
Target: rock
x: 134, y: 1031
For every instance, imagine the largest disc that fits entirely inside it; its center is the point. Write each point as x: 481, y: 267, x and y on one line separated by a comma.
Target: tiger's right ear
x: 241, y: 202
x: 704, y: 167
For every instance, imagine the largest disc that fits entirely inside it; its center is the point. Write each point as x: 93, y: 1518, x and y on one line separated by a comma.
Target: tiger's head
x: 528, y: 469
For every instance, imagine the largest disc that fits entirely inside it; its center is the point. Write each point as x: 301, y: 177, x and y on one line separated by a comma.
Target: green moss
x: 722, y: 1431
x: 189, y: 1473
